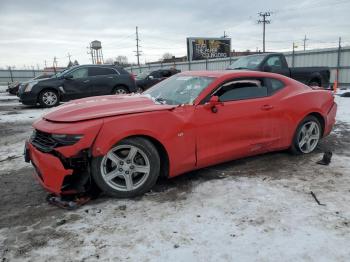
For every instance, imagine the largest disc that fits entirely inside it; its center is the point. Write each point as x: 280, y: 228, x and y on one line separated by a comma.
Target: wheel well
x: 163, y: 154
x: 320, y: 119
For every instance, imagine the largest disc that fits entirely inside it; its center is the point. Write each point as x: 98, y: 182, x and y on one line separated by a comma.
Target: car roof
x: 234, y: 73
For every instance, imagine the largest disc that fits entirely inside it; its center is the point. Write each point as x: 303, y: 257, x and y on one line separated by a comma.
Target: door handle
x: 86, y: 81
x: 266, y: 107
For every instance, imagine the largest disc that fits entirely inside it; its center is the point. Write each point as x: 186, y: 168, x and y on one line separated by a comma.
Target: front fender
x: 172, y: 129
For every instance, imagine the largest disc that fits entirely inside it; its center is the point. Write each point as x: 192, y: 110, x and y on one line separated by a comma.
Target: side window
x: 274, y: 85
x: 241, y: 89
x: 166, y: 73
x: 155, y: 74
x: 274, y: 62
x: 80, y: 73
x: 100, y: 71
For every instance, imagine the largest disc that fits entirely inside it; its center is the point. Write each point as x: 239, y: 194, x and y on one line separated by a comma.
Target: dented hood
x: 103, y: 106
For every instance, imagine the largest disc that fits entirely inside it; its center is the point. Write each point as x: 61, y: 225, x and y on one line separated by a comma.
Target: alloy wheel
x: 309, y: 136
x: 125, y: 168
x: 49, y: 98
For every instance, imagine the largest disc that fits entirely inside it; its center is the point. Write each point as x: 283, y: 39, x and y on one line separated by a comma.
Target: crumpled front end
x: 60, y: 153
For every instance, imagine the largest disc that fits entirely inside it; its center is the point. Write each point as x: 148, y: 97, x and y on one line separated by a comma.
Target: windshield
x: 142, y: 75
x: 247, y: 62
x: 59, y: 74
x: 178, y: 89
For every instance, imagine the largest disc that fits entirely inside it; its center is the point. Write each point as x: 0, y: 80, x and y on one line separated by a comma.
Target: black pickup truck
x: 276, y: 63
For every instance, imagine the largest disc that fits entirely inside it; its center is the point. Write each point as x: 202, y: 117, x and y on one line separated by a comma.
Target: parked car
x: 277, y: 63
x: 188, y: 121
x: 147, y: 79
x: 14, y: 87
x: 77, y: 82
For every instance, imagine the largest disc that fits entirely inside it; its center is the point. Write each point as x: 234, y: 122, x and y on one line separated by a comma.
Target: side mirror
x: 213, y: 102
x: 267, y: 68
x: 69, y: 76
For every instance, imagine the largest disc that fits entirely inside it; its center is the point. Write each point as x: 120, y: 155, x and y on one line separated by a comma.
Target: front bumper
x: 50, y: 171
x: 62, y: 169
x: 27, y: 98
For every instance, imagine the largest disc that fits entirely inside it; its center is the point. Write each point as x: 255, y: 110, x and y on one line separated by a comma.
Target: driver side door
x: 238, y: 127
x: 78, y: 85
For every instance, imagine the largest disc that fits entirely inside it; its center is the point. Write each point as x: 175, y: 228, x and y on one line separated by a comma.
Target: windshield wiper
x: 160, y: 100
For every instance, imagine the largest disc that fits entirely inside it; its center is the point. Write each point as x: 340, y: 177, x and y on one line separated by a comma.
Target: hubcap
x: 125, y: 168
x: 49, y: 98
x: 120, y: 91
x: 309, y: 136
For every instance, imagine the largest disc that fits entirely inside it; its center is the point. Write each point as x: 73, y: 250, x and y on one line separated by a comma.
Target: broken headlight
x: 66, y: 139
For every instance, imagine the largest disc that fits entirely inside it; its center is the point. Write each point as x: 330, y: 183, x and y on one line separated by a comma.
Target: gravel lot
x: 254, y: 209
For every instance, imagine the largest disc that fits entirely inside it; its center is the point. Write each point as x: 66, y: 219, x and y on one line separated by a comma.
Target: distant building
x: 243, y: 53
x: 170, y: 60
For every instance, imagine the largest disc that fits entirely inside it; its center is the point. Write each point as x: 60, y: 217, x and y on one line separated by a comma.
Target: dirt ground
x: 32, y: 230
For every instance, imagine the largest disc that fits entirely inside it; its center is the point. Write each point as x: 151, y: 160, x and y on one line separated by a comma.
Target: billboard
x: 199, y: 48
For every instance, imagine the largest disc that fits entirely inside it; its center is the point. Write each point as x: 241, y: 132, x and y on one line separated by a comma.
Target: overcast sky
x: 34, y: 31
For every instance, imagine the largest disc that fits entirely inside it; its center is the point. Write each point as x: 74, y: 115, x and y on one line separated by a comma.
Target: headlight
x: 29, y: 86
x: 66, y: 139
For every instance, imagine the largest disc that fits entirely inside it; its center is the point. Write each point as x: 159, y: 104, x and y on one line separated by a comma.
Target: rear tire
x: 48, y: 98
x: 314, y: 83
x: 119, y: 90
x: 130, y: 168
x: 307, y: 136
x: 139, y: 90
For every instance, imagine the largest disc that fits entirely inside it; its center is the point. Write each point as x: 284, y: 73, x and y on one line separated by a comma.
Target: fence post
x: 293, y: 55
x: 10, y: 70
x: 206, y: 63
x: 338, y: 62
x: 189, y: 65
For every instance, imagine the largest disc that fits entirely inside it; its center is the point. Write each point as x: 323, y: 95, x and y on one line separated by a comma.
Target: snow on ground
x: 3, y: 89
x: 256, y: 209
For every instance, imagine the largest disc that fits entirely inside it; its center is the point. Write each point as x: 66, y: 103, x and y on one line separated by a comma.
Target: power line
x: 264, y: 21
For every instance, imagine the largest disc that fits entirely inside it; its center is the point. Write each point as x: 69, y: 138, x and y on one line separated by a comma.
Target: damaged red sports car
x: 192, y: 120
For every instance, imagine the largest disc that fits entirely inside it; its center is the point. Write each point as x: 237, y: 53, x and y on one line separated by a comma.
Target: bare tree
x: 109, y: 60
x: 167, y: 56
x: 121, y: 60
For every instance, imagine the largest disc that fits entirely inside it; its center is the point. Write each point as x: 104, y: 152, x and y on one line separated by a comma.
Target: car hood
x: 104, y: 106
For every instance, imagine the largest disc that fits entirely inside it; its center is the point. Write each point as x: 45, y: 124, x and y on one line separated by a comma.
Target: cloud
x: 34, y: 31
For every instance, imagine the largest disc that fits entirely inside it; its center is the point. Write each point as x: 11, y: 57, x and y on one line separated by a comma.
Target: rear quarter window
x: 274, y: 85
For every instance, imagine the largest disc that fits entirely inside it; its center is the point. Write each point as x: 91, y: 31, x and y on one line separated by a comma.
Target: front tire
x: 130, y: 168
x: 307, y: 136
x: 48, y: 98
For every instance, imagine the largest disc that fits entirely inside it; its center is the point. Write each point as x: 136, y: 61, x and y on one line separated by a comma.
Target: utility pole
x: 138, y: 53
x: 264, y: 21
x: 45, y: 63
x: 69, y: 56
x: 54, y: 64
x: 304, y: 40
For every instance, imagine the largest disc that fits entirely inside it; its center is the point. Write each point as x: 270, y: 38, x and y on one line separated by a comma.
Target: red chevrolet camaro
x: 192, y: 120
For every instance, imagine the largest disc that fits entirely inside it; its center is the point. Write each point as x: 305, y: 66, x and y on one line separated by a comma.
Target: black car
x: 277, y: 63
x: 14, y: 87
x: 77, y: 82
x: 147, y: 79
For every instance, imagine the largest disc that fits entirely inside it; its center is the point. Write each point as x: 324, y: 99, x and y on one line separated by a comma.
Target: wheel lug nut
x: 128, y: 161
x: 120, y: 169
x: 126, y: 172
x: 131, y: 167
x: 121, y: 163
